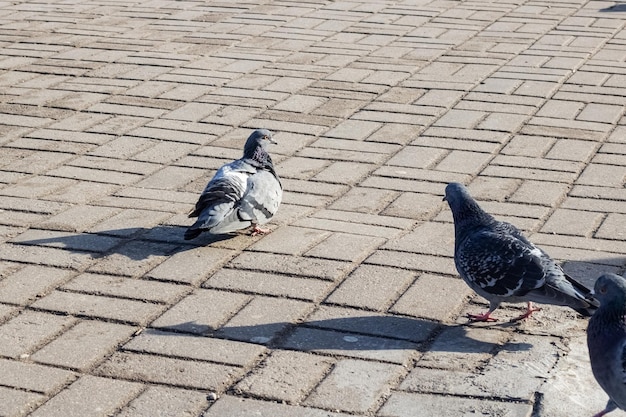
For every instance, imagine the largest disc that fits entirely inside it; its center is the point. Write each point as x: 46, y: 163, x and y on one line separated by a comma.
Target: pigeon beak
x: 444, y: 198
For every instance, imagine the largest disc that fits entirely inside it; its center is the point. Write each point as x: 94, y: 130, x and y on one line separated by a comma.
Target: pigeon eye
x: 602, y: 290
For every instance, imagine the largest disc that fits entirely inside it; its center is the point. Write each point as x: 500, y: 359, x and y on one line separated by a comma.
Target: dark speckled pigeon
x: 606, y: 339
x: 243, y: 193
x: 501, y: 265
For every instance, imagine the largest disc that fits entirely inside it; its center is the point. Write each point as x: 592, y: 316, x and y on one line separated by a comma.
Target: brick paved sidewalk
x: 115, y: 114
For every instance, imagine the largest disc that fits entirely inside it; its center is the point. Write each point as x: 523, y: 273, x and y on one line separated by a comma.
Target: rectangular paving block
x: 136, y: 312
x: 83, y: 345
x: 263, y: 318
x: 133, y: 258
x: 402, y: 404
x: 372, y: 324
x: 166, y: 401
x: 169, y: 371
x: 229, y: 406
x: 325, y: 269
x: 33, y: 377
x: 29, y: 330
x: 463, y: 348
x: 105, y: 397
x: 354, y: 385
x: 345, y: 247
x: 332, y: 343
x: 446, y: 297
x: 202, y: 311
x: 26, y: 284
x: 116, y: 286
x: 18, y: 403
x: 181, y: 345
x: 268, y: 284
x: 191, y: 266
x: 280, y: 376
x: 372, y: 287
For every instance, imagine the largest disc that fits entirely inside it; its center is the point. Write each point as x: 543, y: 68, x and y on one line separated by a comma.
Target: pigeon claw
x: 485, y: 317
x: 529, y: 311
x: 258, y: 231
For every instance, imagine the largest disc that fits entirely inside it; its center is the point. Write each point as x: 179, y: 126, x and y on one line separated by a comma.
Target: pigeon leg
x: 486, y: 317
x: 610, y: 406
x: 258, y: 231
x: 529, y: 310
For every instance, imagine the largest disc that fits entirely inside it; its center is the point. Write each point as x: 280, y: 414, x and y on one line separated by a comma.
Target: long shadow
x: 620, y: 7
x: 364, y: 333
x: 136, y: 243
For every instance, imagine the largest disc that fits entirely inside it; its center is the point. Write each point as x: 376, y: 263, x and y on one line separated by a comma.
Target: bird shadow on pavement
x: 363, y: 333
x: 620, y: 7
x: 136, y: 243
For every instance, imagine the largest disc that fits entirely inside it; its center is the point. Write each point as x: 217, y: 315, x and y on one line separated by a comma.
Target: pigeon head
x: 465, y: 210
x: 256, y: 146
x: 610, y: 290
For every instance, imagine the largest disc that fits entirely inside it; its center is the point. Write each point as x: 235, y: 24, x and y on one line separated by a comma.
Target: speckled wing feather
x: 500, y: 264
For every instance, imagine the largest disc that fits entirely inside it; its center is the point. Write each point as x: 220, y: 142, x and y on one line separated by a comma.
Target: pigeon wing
x: 262, y: 198
x: 500, y: 264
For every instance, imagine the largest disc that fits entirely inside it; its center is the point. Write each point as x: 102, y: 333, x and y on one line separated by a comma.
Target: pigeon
x: 606, y: 339
x: 243, y: 193
x: 500, y: 264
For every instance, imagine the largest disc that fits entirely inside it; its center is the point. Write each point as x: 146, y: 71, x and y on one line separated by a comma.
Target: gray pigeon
x: 501, y: 265
x: 243, y: 193
x: 606, y: 339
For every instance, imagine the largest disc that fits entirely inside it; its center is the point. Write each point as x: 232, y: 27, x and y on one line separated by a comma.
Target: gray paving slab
x: 114, y: 115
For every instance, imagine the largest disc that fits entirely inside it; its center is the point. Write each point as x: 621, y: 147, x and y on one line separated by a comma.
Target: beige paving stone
x: 30, y: 282
x: 358, y: 383
x: 280, y: 376
x: 268, y: 284
x: 202, y: 311
x: 165, y: 370
x: 165, y: 401
x: 371, y: 287
x: 84, y: 345
x: 446, y: 296
x: 26, y: 332
x: 106, y: 397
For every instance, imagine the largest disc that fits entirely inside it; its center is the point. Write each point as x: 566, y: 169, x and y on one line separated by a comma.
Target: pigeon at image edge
x: 606, y: 339
x: 243, y: 193
x: 497, y: 261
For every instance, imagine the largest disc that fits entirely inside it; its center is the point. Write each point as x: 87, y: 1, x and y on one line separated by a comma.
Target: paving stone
x: 133, y: 258
x: 229, y: 406
x: 170, y: 371
x: 280, y: 376
x: 164, y: 401
x: 263, y: 318
x: 18, y: 403
x: 84, y: 345
x: 445, y: 298
x: 30, y: 282
x: 612, y: 227
x: 290, y: 240
x: 460, y: 348
x: 417, y: 405
x: 29, y: 330
x: 116, y: 286
x: 268, y: 284
x: 345, y: 247
x: 354, y: 385
x: 132, y: 311
x: 572, y: 222
x: 106, y: 396
x: 329, y: 270
x: 34, y: 377
x: 202, y: 311
x: 371, y: 287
